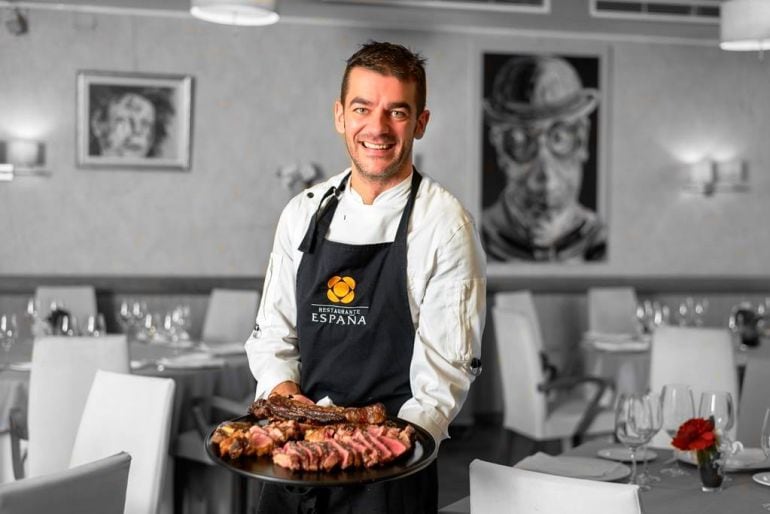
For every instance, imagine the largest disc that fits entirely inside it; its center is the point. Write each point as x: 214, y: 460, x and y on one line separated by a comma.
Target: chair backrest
x: 612, y: 310
x: 755, y: 399
x: 700, y: 357
x: 60, y: 379
x: 80, y: 301
x: 230, y: 315
x: 522, y: 302
x: 98, y: 486
x: 129, y: 413
x: 497, y: 489
x: 524, y: 407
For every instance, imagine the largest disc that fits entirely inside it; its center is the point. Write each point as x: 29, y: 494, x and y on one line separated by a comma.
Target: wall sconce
x: 709, y: 176
x: 22, y: 157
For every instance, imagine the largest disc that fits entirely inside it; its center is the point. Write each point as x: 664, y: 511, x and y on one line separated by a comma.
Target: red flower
x: 695, y: 434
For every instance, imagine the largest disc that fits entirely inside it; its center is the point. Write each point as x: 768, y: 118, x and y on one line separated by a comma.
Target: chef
x: 375, y: 288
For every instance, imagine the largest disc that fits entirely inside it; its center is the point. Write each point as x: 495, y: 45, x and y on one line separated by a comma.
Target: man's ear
x: 339, y: 117
x: 422, y: 123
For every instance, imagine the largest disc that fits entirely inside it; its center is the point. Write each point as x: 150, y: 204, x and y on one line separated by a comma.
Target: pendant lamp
x: 745, y: 25
x: 235, y: 12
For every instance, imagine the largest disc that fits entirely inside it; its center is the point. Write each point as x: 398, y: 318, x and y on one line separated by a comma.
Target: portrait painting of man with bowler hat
x: 540, y: 175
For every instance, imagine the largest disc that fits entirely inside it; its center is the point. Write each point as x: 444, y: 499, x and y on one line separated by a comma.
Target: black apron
x: 356, y: 339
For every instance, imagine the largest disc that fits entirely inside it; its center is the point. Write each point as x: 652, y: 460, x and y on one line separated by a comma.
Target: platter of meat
x: 292, y: 443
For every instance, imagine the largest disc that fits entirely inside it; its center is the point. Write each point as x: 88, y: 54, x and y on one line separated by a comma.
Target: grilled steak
x: 284, y: 407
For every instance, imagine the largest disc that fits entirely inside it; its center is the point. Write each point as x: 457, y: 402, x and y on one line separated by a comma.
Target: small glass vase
x: 710, y: 467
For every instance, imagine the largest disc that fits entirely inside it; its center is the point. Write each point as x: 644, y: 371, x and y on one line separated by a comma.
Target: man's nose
x: 380, y: 122
x: 543, y: 175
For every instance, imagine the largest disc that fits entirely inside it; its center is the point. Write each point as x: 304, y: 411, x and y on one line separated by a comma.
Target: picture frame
x: 508, y: 247
x: 133, y: 120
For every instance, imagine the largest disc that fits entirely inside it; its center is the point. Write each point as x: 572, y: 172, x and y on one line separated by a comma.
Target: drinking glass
x: 764, y: 442
x: 8, y: 335
x: 718, y: 405
x: 657, y: 423
x: 634, y: 426
x: 96, y: 326
x: 677, y: 407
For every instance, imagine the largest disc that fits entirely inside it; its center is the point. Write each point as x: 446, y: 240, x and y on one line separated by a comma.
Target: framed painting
x: 134, y: 120
x: 541, y: 154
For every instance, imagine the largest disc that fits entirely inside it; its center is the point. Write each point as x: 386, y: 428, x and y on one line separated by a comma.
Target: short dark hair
x: 391, y: 60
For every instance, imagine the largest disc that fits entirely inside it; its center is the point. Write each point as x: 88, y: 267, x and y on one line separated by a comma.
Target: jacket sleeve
x: 448, y: 336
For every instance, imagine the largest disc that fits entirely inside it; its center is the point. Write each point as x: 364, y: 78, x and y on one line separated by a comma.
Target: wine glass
x: 96, y: 326
x: 677, y: 407
x: 718, y: 405
x: 8, y: 333
x: 657, y: 423
x: 634, y: 427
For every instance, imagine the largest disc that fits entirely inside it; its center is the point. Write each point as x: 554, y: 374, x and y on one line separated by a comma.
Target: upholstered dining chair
x: 230, y: 315
x: 60, y: 379
x: 97, y: 486
x: 701, y: 357
x: 529, y: 407
x: 754, y: 400
x: 80, y: 301
x: 129, y: 413
x: 498, y: 489
x: 612, y: 310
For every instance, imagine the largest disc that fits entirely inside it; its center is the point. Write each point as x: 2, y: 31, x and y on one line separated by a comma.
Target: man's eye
x: 359, y: 110
x: 399, y: 115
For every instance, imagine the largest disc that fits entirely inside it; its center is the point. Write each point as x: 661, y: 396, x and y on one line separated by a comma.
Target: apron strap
x: 403, y: 224
x: 308, y: 242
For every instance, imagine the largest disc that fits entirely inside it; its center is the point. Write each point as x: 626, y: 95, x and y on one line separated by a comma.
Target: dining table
x: 199, y: 371
x: 740, y: 494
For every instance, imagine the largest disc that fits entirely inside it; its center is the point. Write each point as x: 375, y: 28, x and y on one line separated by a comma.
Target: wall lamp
x: 22, y: 157
x: 235, y: 12
x: 708, y: 176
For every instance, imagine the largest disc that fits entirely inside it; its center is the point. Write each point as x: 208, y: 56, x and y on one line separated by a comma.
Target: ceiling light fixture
x: 235, y: 12
x: 745, y: 25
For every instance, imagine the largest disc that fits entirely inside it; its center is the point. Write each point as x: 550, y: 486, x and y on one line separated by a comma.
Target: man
x: 126, y: 122
x: 375, y: 290
x: 538, y: 113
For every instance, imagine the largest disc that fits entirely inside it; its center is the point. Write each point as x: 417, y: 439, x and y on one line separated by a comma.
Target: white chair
x: 612, y: 310
x: 497, y: 489
x: 700, y: 357
x: 529, y: 410
x: 230, y: 315
x: 60, y: 379
x: 80, y: 301
x: 755, y: 399
x: 97, y: 486
x: 129, y: 413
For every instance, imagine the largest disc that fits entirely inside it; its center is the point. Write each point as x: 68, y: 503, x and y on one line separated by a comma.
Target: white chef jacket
x: 446, y: 283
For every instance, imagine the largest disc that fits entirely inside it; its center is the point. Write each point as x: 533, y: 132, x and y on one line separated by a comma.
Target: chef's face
x: 129, y: 129
x: 544, y: 166
x: 380, y: 122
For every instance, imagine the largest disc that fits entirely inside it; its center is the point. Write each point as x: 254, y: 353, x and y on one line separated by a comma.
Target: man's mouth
x: 377, y: 146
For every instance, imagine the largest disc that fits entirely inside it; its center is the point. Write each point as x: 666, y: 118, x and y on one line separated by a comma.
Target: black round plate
x: 262, y: 468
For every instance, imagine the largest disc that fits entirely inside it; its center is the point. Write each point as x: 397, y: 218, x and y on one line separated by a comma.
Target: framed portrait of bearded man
x: 542, y: 195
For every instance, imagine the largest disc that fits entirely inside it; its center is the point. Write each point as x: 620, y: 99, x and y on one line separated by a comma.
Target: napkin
x: 577, y: 467
x: 233, y: 348
x: 192, y: 360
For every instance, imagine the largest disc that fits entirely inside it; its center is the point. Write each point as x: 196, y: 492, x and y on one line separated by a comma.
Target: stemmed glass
x: 764, y: 443
x: 8, y: 335
x: 634, y: 427
x: 657, y: 423
x: 718, y: 405
x: 677, y: 407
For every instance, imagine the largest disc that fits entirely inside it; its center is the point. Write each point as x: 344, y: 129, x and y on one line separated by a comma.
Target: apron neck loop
x: 400, y: 240
x: 308, y: 242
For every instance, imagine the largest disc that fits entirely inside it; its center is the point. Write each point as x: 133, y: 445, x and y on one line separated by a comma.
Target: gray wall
x: 263, y: 97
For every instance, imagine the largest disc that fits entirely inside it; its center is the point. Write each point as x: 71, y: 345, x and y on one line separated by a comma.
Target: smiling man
x: 375, y: 289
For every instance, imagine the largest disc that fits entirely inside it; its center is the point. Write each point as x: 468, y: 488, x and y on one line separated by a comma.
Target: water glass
x: 96, y: 326
x: 677, y: 407
x: 634, y: 426
x: 657, y: 423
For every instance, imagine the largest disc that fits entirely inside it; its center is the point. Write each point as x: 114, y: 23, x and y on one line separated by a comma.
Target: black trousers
x: 414, y: 494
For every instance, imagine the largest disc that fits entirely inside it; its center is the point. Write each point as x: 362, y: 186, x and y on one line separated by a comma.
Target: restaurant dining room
x: 541, y: 282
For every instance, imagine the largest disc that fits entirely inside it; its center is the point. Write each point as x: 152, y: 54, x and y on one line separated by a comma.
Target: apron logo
x: 341, y: 289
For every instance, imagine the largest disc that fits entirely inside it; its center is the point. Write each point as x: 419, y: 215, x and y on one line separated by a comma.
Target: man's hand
x: 291, y: 389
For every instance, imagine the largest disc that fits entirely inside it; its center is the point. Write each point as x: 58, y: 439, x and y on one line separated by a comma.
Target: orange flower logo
x: 341, y: 289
